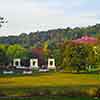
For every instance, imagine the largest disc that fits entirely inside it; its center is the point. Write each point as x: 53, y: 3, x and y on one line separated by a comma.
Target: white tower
x: 34, y: 63
x: 17, y: 63
x: 51, y: 64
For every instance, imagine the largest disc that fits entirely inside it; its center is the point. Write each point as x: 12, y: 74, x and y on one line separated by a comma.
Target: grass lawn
x: 49, y: 79
x: 18, y: 85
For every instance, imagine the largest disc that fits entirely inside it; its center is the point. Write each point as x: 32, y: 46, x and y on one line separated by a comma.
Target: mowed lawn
x: 49, y: 79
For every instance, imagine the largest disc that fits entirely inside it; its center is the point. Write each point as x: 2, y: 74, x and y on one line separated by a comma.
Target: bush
x: 2, y: 94
x: 98, y: 93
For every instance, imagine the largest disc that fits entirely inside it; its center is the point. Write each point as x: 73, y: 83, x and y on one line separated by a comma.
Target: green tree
x: 96, y: 50
x: 16, y: 51
x: 4, y: 58
x: 57, y: 56
x: 78, y: 57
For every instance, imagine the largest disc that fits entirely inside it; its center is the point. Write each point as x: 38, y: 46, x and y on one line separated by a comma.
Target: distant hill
x: 51, y: 36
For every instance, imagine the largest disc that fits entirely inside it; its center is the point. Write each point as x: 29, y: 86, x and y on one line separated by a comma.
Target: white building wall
x: 53, y: 66
x: 34, y: 63
x: 17, y: 61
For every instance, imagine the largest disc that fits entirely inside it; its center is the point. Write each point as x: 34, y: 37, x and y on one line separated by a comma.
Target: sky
x: 25, y: 16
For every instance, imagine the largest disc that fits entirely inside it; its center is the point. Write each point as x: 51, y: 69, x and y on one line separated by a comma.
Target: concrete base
x: 27, y: 72
x: 8, y: 72
x: 43, y: 70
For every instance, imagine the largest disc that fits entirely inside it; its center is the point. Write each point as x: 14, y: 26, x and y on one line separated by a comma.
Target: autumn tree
x: 78, y: 56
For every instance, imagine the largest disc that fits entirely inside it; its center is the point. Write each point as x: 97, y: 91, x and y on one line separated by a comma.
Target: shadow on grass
x: 48, y: 98
x: 73, y: 91
x: 22, y: 75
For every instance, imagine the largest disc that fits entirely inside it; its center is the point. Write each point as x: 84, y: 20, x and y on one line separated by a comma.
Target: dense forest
x: 37, y: 39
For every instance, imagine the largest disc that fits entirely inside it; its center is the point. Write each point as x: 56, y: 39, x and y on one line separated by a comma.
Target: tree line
x: 69, y: 57
x: 55, y: 37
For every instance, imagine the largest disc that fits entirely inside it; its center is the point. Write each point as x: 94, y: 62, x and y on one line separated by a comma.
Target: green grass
x: 50, y: 79
x: 54, y: 83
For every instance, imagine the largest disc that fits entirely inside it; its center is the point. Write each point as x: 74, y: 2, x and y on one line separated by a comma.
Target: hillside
x: 51, y: 36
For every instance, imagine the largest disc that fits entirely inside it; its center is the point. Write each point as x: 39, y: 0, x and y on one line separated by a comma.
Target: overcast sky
x: 32, y: 15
